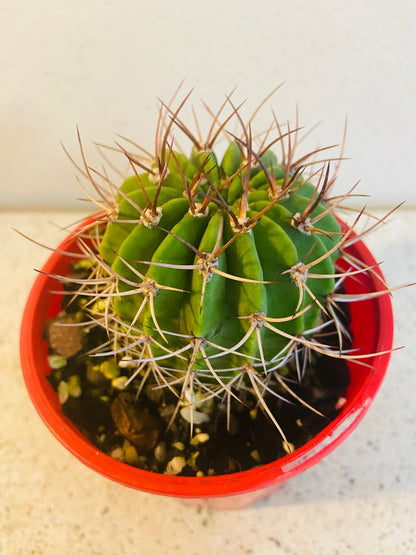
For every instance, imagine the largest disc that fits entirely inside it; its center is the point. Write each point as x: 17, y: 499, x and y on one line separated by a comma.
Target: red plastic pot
x: 372, y: 330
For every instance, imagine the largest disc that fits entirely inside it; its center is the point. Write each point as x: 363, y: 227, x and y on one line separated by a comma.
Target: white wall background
x: 100, y: 64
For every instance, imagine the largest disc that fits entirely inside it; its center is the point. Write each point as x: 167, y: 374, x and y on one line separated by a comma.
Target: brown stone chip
x: 66, y: 340
x: 136, y: 424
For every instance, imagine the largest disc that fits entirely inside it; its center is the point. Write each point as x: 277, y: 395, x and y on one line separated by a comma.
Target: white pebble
x: 191, y: 415
x: 127, y: 362
x: 63, y: 393
x: 117, y: 453
x: 175, y: 466
x: 199, y: 438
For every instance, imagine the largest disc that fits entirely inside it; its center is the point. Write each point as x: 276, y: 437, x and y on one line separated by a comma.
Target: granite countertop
x: 361, y: 499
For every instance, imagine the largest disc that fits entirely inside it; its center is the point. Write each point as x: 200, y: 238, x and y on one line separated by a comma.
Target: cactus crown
x: 212, y: 275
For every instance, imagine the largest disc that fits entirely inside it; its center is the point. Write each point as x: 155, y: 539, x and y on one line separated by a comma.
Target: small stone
x: 63, y: 393
x: 130, y: 453
x: 127, y: 362
x: 74, y: 386
x: 191, y: 415
x: 340, y: 403
x: 200, y: 438
x: 138, y: 425
x: 200, y: 474
x: 198, y: 399
x: 175, y: 466
x: 56, y: 361
x: 160, y: 451
x: 119, y: 382
x: 109, y: 369
x: 101, y: 438
x: 191, y: 462
x: 64, y: 337
x: 255, y: 455
x: 117, y: 453
x: 299, y: 423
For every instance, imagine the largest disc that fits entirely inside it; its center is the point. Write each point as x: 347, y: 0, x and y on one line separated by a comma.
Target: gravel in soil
x: 140, y: 431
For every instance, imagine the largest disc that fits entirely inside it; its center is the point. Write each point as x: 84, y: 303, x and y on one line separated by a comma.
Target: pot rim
x: 45, y: 400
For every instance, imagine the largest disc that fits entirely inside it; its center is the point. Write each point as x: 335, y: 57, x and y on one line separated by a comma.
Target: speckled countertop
x: 361, y: 499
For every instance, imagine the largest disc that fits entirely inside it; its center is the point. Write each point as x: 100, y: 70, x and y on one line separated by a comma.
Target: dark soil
x: 136, y: 431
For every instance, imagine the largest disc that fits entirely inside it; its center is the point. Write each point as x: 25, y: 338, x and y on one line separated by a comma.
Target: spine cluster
x: 211, y: 276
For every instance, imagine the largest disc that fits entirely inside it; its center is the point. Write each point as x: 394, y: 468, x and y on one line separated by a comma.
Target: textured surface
x: 361, y: 499
x: 208, y: 268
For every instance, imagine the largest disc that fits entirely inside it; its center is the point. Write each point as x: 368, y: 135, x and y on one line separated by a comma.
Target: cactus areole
x: 213, y: 276
x: 212, y: 263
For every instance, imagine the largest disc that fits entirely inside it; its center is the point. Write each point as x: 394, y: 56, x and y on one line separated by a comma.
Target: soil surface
x: 140, y: 431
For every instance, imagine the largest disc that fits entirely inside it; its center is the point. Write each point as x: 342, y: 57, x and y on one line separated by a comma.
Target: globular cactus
x: 211, y: 274
x: 219, y: 277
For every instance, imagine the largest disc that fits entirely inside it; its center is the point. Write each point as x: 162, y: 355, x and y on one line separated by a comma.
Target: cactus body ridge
x: 215, y: 274
x: 200, y: 272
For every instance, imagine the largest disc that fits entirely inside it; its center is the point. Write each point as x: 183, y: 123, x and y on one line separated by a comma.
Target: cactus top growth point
x: 214, y: 274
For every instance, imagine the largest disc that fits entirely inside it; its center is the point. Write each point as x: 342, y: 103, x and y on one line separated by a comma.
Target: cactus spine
x: 215, y: 274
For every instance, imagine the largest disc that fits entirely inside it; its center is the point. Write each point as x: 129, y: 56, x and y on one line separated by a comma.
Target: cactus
x: 219, y: 276
x: 213, y: 275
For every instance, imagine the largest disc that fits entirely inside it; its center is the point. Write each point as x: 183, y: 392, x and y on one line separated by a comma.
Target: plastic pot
x: 372, y: 330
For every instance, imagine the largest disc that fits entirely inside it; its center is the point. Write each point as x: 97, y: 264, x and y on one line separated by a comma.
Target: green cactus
x: 201, y: 274
x: 215, y: 274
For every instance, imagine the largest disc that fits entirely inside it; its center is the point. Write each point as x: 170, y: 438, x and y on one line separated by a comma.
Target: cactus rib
x: 217, y: 274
